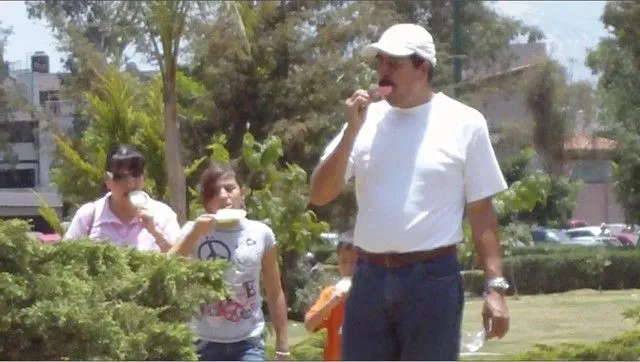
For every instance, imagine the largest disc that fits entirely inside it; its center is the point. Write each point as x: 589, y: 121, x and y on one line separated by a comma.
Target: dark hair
x: 210, y: 176
x: 124, y: 157
x: 418, y: 61
x: 344, y: 245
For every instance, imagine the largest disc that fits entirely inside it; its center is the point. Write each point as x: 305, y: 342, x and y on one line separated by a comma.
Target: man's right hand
x: 357, y: 108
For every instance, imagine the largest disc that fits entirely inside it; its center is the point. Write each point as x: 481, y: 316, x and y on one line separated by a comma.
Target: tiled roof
x: 582, y: 142
x: 522, y: 56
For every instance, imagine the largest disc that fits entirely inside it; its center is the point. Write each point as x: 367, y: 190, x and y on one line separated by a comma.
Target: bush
x: 84, y: 300
x: 473, y: 281
x: 304, y: 288
x: 549, y: 249
x: 323, y: 251
x: 305, y: 297
x: 592, y: 268
x: 309, y: 349
x: 625, y: 347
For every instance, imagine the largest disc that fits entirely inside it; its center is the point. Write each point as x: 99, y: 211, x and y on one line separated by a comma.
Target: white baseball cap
x: 402, y: 40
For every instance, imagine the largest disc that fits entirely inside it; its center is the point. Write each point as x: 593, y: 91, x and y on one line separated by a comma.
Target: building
x: 496, y: 91
x: 26, y: 163
x: 590, y: 161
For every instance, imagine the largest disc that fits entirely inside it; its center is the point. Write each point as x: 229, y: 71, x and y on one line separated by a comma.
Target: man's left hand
x: 495, y: 315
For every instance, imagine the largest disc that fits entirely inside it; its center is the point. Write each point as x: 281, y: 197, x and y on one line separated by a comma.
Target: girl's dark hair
x: 210, y: 176
x: 124, y: 157
x: 344, y: 245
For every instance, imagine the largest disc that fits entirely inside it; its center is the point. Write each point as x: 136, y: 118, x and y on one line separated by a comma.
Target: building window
x: 17, y: 179
x: 592, y: 171
x: 46, y: 96
x: 19, y: 132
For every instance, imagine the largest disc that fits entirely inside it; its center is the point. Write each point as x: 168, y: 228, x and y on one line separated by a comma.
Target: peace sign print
x: 212, y: 249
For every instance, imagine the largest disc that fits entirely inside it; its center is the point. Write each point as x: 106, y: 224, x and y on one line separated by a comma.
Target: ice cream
x: 225, y: 216
x: 378, y: 92
x: 138, y: 198
x: 384, y: 90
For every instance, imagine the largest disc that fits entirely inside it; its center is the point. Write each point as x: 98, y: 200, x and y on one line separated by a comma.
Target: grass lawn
x: 582, y: 316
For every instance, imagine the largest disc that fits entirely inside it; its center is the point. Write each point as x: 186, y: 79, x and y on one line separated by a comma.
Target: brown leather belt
x: 395, y: 260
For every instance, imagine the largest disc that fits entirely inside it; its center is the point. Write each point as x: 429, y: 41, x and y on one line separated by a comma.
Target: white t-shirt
x: 415, y: 170
x: 240, y: 317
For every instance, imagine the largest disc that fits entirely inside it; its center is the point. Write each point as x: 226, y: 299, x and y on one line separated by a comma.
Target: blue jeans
x: 251, y: 349
x: 413, y: 312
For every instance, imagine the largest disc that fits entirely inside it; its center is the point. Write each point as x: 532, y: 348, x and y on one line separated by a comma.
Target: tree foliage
x: 546, y: 97
x: 557, y: 206
x: 119, y: 111
x: 617, y: 60
x: 521, y: 196
x: 82, y: 300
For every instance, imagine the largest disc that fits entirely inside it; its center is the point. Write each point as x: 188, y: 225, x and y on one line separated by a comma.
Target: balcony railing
x: 60, y: 108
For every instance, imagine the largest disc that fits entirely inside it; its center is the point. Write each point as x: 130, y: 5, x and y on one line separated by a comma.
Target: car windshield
x: 580, y: 233
x: 557, y: 235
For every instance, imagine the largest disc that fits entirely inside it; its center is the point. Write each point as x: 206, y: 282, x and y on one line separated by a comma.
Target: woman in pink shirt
x: 153, y: 226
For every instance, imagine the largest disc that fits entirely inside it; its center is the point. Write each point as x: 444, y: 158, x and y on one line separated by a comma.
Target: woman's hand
x: 204, y: 224
x: 146, y: 218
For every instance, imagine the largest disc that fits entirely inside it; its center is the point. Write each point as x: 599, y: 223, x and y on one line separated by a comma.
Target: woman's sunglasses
x: 121, y: 175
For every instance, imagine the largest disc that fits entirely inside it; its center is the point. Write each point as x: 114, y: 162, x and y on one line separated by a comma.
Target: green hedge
x: 586, y: 268
x: 310, y: 348
x: 625, y: 347
x: 84, y: 300
x: 549, y: 249
x: 323, y: 252
x: 473, y: 281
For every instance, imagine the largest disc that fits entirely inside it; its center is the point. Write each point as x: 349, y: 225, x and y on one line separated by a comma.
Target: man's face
x: 229, y: 195
x: 403, y: 76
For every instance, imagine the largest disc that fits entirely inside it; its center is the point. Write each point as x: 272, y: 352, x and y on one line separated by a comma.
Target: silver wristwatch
x: 499, y: 284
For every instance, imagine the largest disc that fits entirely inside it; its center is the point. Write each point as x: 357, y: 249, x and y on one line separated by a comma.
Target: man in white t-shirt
x: 419, y: 160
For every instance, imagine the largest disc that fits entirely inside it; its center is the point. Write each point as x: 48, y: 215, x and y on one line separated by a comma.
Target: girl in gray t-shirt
x: 232, y: 329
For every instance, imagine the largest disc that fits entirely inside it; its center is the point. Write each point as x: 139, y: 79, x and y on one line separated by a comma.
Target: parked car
x: 591, y: 236
x: 548, y: 235
x: 626, y: 238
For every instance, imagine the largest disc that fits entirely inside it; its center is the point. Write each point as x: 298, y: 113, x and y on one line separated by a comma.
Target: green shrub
x: 332, y: 260
x: 311, y: 348
x: 473, y: 281
x: 323, y: 251
x: 305, y: 297
x: 83, y: 300
x: 625, y: 347
x: 548, y: 249
x: 593, y: 268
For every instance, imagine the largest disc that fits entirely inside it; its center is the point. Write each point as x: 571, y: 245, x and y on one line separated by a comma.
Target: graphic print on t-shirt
x: 243, y: 304
x: 211, y: 249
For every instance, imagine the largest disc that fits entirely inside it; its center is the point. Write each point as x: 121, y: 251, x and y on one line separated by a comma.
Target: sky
x: 571, y: 28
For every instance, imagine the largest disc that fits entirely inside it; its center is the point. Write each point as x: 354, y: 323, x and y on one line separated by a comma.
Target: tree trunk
x: 175, y: 171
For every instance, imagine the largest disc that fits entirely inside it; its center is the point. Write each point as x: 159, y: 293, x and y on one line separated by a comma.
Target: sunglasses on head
x: 120, y: 175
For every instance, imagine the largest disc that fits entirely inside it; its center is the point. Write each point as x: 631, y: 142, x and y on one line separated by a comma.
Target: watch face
x: 501, y: 284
